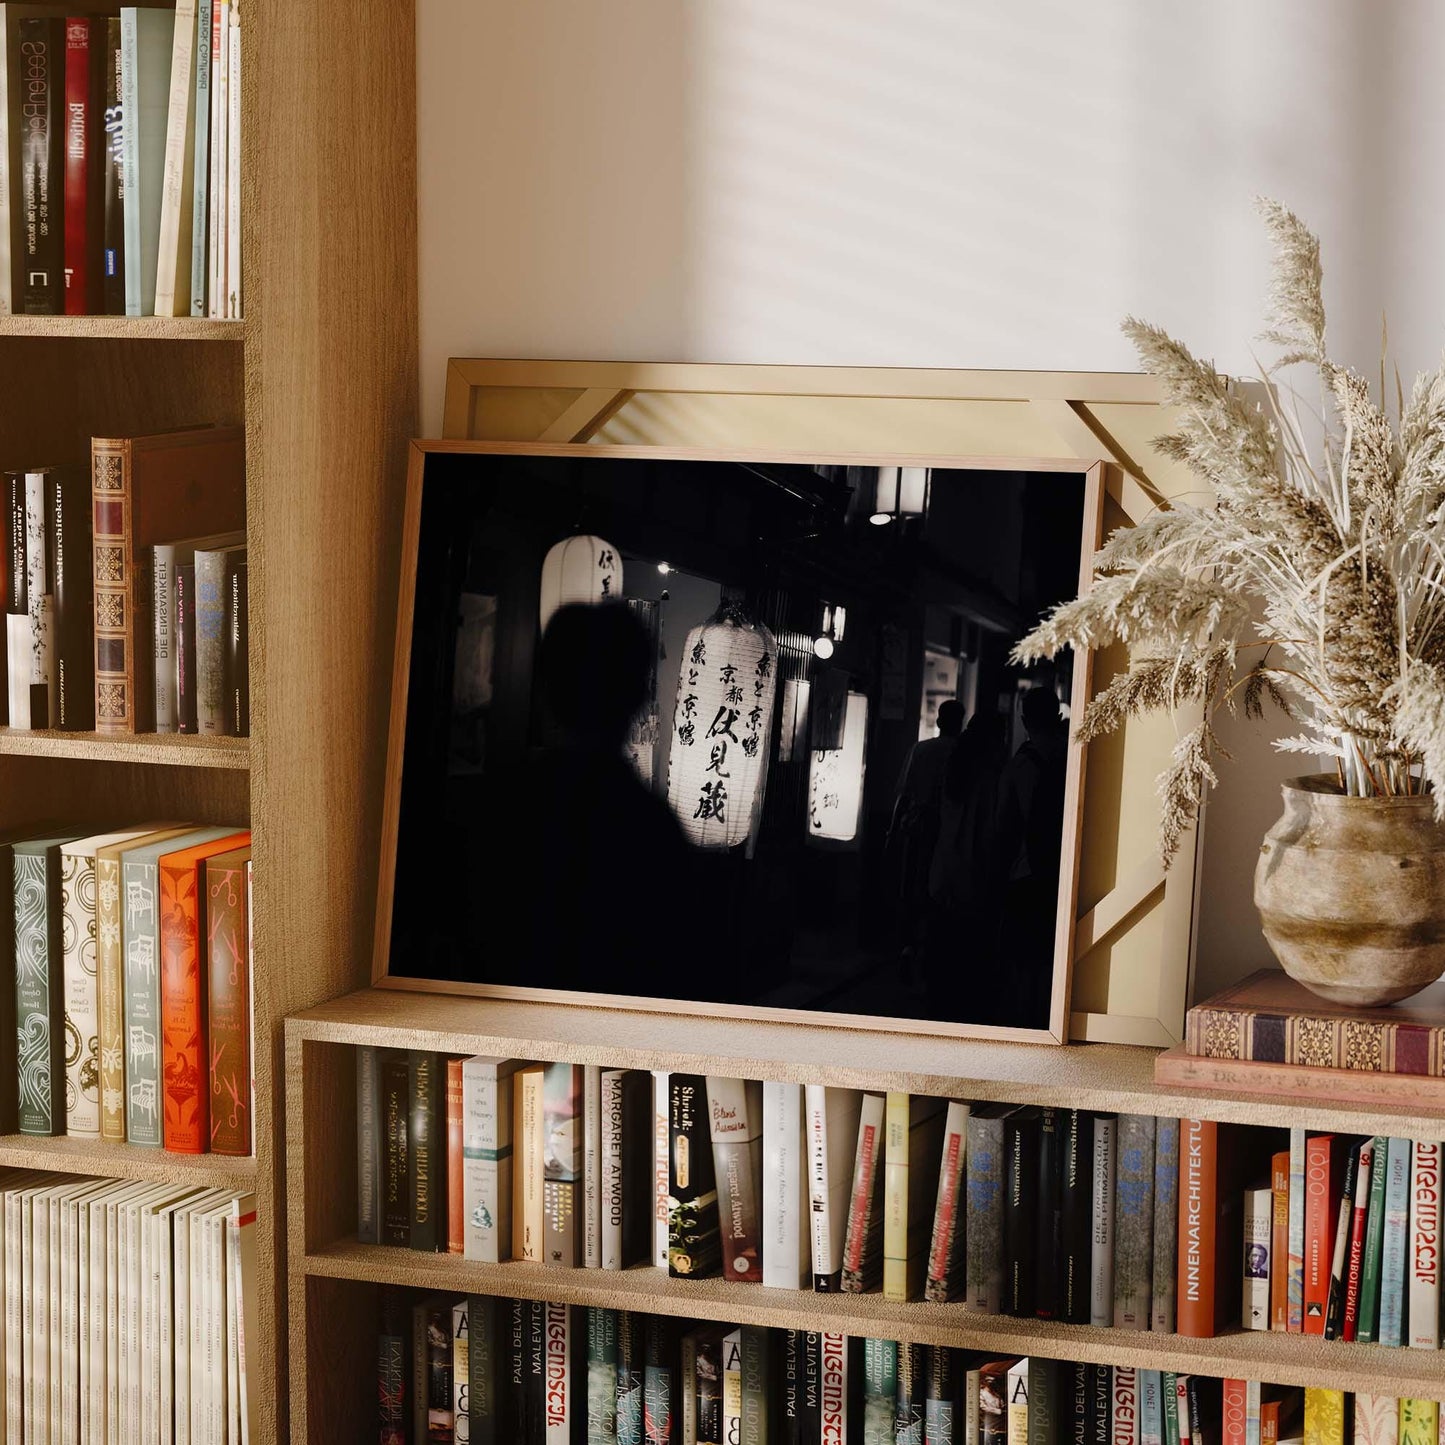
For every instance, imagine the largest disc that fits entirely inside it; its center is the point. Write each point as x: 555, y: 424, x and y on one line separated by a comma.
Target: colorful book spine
x: 113, y: 192
x: 1324, y: 1417
x: 1419, y: 1422
x: 84, y: 47
x: 1133, y: 1221
x: 1124, y: 1401
x: 659, y: 1380
x: 1321, y: 1206
x: 735, y: 1111
x: 1279, y: 1244
x: 1376, y: 1420
x: 946, y: 1252
x: 1340, y: 1241
x: 837, y: 1387
x: 864, y: 1240
x: 1198, y: 1146
x: 1424, y: 1276
x: 228, y: 1009
x: 1295, y: 1285
x: 562, y: 1085
x: 983, y: 1232
x: 787, y: 1253
x: 694, y: 1248
x: 1355, y: 1255
x: 368, y: 1145
x: 82, y: 1023
x: 456, y: 1207
x: 39, y: 987
x: 487, y: 1158
x: 1394, y: 1247
x: 1368, y: 1330
x: 1101, y: 1258
x: 1163, y: 1288
x: 661, y: 1166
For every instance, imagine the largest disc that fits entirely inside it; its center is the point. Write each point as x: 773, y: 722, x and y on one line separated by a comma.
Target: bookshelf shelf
x: 1108, y: 1077
x: 125, y: 1161
x: 1279, y: 1358
x: 174, y: 750
x: 140, y: 328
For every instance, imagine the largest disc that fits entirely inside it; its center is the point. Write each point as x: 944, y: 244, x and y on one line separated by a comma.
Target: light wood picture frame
x: 1056, y: 1031
x: 1134, y: 935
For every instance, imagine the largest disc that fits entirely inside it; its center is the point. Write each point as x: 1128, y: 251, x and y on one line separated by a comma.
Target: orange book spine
x: 228, y: 977
x: 185, y: 1115
x: 456, y: 1204
x: 1198, y: 1176
x: 1279, y: 1243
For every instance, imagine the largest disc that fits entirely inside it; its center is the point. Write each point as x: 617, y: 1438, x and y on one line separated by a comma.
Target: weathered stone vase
x: 1351, y: 893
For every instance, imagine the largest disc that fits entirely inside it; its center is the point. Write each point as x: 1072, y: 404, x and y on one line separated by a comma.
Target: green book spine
x: 39, y: 996
x: 1169, y: 1387
x: 1367, y: 1330
x: 602, y: 1360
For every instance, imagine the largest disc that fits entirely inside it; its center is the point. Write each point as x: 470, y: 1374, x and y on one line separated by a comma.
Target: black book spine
x: 1075, y: 1215
x: 1196, y: 1417
x: 706, y: 1386
x: 694, y: 1242
x: 516, y: 1324
x: 238, y: 649
x: 395, y: 1116
x: 631, y: 1359
x: 41, y: 85
x: 426, y: 1152
x: 941, y: 1405
x: 113, y: 186
x: 67, y: 540
x: 486, y: 1317
x: 1020, y: 1211
x: 534, y: 1408
x: 1101, y: 1390
x: 393, y: 1356
x: 913, y: 1379
x: 1047, y: 1282
x: 637, y: 1167
x: 810, y: 1383
x: 790, y: 1399
x: 1080, y: 1404
x: 1340, y: 1258
x: 16, y: 600
x: 660, y: 1413
x: 184, y: 643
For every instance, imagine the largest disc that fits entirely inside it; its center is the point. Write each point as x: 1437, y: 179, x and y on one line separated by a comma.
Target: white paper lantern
x: 582, y: 569
x: 835, y: 779
x: 721, y: 725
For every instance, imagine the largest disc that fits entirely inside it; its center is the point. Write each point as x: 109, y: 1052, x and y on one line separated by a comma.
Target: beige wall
x: 928, y: 183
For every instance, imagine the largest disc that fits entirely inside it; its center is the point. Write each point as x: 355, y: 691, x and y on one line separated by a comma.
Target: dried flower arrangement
x: 1316, y: 581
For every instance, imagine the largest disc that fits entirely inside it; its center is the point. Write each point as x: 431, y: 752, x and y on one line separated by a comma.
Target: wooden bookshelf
x: 323, y: 374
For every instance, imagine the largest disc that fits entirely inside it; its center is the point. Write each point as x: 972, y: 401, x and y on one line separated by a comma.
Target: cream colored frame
x: 1134, y: 938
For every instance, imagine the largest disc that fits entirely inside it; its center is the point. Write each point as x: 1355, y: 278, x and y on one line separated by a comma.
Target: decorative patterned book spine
x: 456, y: 1207
x: 110, y: 995
x: 9, y: 1077
x: 1163, y: 1291
x: 426, y: 1147
x: 185, y: 1108
x: 1133, y: 1221
x: 39, y: 1001
x: 1424, y: 1277
x: 368, y: 1142
x: 1124, y: 1406
x: 115, y: 587
x: 82, y: 1027
x: 1324, y: 1417
x: 229, y: 1003
x: 1419, y: 1422
x: 1377, y: 1420
x: 983, y: 1231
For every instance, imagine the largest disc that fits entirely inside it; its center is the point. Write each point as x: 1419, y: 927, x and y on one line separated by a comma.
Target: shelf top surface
x: 184, y: 750
x: 142, y: 328
x: 1108, y: 1077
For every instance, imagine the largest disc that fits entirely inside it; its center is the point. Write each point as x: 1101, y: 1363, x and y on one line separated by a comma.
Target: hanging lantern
x: 835, y: 779
x: 793, y: 733
x: 579, y: 569
x: 721, y: 726
x: 899, y: 492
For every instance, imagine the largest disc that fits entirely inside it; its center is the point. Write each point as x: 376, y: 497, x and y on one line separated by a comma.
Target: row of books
x: 120, y: 160
x: 129, y: 1308
x: 1122, y: 1220
x: 477, y: 1370
x: 126, y: 590
x: 129, y: 972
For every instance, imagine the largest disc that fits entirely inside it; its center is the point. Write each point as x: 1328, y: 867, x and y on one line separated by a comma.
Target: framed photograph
x: 688, y: 730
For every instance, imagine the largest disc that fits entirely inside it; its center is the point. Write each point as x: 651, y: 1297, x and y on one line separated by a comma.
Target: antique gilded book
x: 227, y: 965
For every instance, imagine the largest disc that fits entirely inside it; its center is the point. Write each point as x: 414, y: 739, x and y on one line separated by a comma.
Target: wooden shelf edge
x: 125, y: 1161
x: 1275, y: 1358
x: 140, y: 328
x: 1114, y: 1078
x: 175, y: 750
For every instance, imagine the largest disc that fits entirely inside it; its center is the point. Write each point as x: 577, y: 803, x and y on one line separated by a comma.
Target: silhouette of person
x: 587, y: 864
x: 913, y: 831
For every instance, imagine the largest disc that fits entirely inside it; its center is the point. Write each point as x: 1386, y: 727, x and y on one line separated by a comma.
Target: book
x: 214, y: 565
x: 1394, y: 1246
x: 144, y: 490
x: 602, y: 1362
x: 455, y: 1130
x: 1279, y: 1243
x: 1133, y: 1220
x: 914, y: 1138
x: 946, y: 1253
x: 30, y: 605
x: 941, y: 1396
x: 735, y: 1111
x: 426, y: 1151
x: 166, y: 560
x: 1419, y: 1422
x: 659, y: 1378
x: 487, y: 1159
x: 1258, y: 1236
x: 113, y: 176
x: 699, y: 1405
x: 200, y: 156
x: 1151, y: 1408
x: 631, y: 1351
x: 491, y: 1417
x: 19, y: 643
x: 146, y: 39
x: 1043, y: 1387
x: 1324, y: 1417
x: 85, y: 57
x: 566, y: 1372
x: 993, y: 1400
x: 1372, y: 1251
x: 1123, y: 1403
x: 880, y: 1391
x: 1049, y: 1218
x: 832, y: 1133
x: 173, y: 240
x: 983, y: 1226
x: 1101, y: 1257
x: 910, y: 1400
x: 1376, y: 1420
x: 1269, y: 1018
x: 787, y: 1239
x: 432, y: 1408
x: 528, y: 1169
x: 1177, y: 1068
x: 368, y: 1145
x: 461, y: 1372
x: 625, y: 1186
x: 39, y: 985
x: 591, y: 1177
x: 393, y: 1354
x: 863, y: 1233
x: 185, y: 993
x: 39, y: 121
x: 1423, y: 1324
x: 228, y: 999
x: 395, y: 1160
x: 1340, y: 1244
x: 1020, y: 1210
x: 1295, y: 1288
x: 1162, y: 1290
x: 1355, y: 1242
x: 839, y: 1386
x: 661, y: 1164
x: 219, y: 130
x: 1018, y: 1403
x: 237, y: 661
x: 562, y: 1164
x: 1076, y: 1217
x: 694, y: 1246
x: 231, y: 306
x: 756, y: 1395
x: 185, y: 648
x: 1324, y: 1170
x: 68, y: 567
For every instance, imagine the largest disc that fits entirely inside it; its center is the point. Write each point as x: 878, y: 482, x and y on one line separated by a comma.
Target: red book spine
x: 1321, y: 1208
x: 185, y: 1117
x: 456, y: 1204
x: 228, y: 970
x: 79, y: 143
x: 1235, y: 1411
x: 1354, y: 1263
x: 1198, y: 1170
x: 946, y: 1221
x: 856, y: 1234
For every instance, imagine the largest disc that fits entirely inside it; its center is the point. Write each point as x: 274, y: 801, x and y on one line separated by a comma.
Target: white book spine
x: 199, y: 1363
x: 173, y: 260
x: 1151, y: 1408
x: 231, y: 1332
x: 833, y: 1386
x: 181, y: 1330
x: 610, y: 1167
x: 220, y: 111
x: 163, y: 632
x: 233, y: 171
x: 130, y: 156
x: 17, y: 669
x: 815, y: 1098
x: 661, y: 1090
x: 785, y: 1252
x: 68, y: 1379
x: 592, y: 1132
x: 6, y: 179
x: 84, y: 1320
x: 201, y: 159
x: 1424, y: 1293
x: 486, y: 1160
x: 1101, y: 1255
x: 1258, y: 1224
x: 38, y: 1363
x: 14, y: 1273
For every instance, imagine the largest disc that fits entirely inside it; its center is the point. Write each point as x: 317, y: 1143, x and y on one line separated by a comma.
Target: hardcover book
x: 756, y: 1386
x: 1324, y: 1174
x: 368, y: 1145
x: 1258, y: 1233
x: 659, y: 1378
x: 528, y: 1219
x: 626, y: 1183
x: 735, y: 1108
x: 984, y: 1214
x: 166, y: 560
x: 112, y: 182
x: 145, y: 490
x: 1101, y: 1256
x: 214, y: 568
x: 1423, y: 1329
x: 832, y: 1134
x: 1076, y: 1217
x: 173, y: 245
x: 1377, y: 1420
x: 880, y: 1391
x: 1355, y: 1242
x: 426, y: 1151
x: 85, y: 57
x: 1295, y: 1287
x: 1372, y: 1253
x: 602, y: 1361
x: 1177, y: 1068
x: 1394, y: 1246
x: 914, y: 1142
x: 631, y: 1352
x: 1419, y: 1422
x: 912, y: 1394
x: 201, y: 157
x: 228, y: 1003
x: 787, y: 1248
x: 487, y: 1162
x: 946, y: 1253
x: 1133, y: 1220
x: 592, y: 1166
x: 1020, y: 1210
x: 1166, y: 1225
x: 39, y: 121
x: 941, y: 1399
x: 396, y: 1162
x: 562, y: 1164
x: 491, y: 1400
x: 185, y: 993
x: 1324, y: 1417
x: 694, y: 1248
x: 1279, y: 1243
x: 1050, y: 1238
x: 238, y: 650
x: 68, y: 566
x: 146, y: 38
